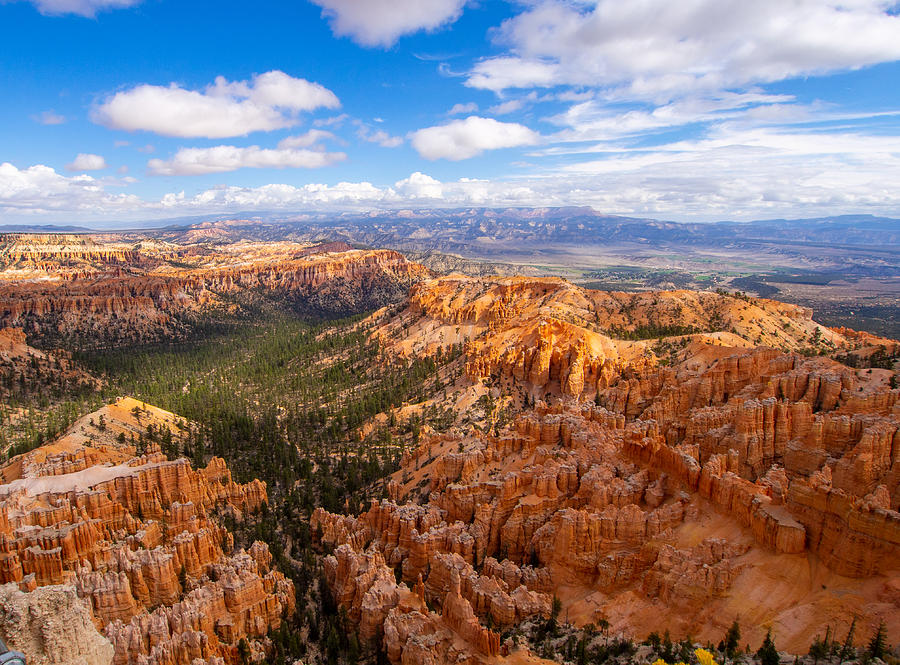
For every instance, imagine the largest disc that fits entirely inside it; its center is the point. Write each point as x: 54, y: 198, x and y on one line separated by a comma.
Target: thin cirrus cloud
x: 378, y: 136
x: 224, y: 109
x: 509, y: 106
x: 662, y: 49
x: 224, y: 158
x: 307, y: 139
x: 460, y: 108
x: 462, y: 139
x: 383, y: 139
x: 87, y: 162
x: 49, y: 118
x: 86, y: 8
x: 594, y: 121
x: 383, y: 22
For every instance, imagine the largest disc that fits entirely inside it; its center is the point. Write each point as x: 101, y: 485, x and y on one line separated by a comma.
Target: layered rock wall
x: 144, y: 300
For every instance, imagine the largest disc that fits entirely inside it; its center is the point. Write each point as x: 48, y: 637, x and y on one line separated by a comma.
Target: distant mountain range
x: 846, y: 242
x: 43, y: 228
x: 421, y: 228
x: 578, y: 236
x: 564, y: 223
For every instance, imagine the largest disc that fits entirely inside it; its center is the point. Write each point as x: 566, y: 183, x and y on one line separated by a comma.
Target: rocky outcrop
x: 556, y: 338
x: 134, y: 537
x: 152, y: 294
x: 732, y: 479
x: 51, y: 625
x: 27, y: 251
x: 398, y: 616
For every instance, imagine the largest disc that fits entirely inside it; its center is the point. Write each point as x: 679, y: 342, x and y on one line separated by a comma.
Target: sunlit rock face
x: 732, y: 480
x: 133, y: 539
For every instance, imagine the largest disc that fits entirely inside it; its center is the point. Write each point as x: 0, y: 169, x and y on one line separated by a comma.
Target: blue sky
x: 701, y: 110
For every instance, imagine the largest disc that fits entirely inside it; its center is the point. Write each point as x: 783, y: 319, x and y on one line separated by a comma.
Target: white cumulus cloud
x: 350, y: 195
x: 659, y: 48
x: 383, y: 22
x: 717, y: 180
x: 224, y: 109
x: 462, y: 139
x: 419, y: 186
x: 87, y: 162
x: 40, y: 189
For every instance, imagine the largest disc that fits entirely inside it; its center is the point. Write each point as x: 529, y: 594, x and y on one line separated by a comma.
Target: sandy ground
x: 69, y: 482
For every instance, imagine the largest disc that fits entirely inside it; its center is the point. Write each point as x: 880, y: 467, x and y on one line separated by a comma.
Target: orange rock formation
x: 554, y: 336
x: 133, y: 535
x: 738, y: 481
x: 142, y: 291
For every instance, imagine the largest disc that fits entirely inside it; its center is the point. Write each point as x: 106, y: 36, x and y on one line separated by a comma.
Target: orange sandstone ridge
x: 736, y: 482
x: 50, y: 251
x: 132, y: 536
x: 551, y: 334
x: 79, y: 289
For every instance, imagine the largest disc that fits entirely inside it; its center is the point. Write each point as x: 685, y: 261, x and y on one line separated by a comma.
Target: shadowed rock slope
x: 84, y: 293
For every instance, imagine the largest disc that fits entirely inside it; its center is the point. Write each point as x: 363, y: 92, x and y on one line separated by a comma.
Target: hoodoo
x: 131, y: 541
x: 651, y: 489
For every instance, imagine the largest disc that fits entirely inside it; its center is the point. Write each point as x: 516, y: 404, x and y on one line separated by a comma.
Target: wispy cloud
x: 459, y: 109
x: 49, y: 118
x: 378, y: 136
x: 87, y: 8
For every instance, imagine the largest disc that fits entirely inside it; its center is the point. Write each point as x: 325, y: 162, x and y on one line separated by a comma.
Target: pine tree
x: 731, y: 642
x: 244, y: 651
x: 604, y: 628
x: 878, y: 644
x: 848, y: 651
x: 818, y: 649
x: 768, y: 654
